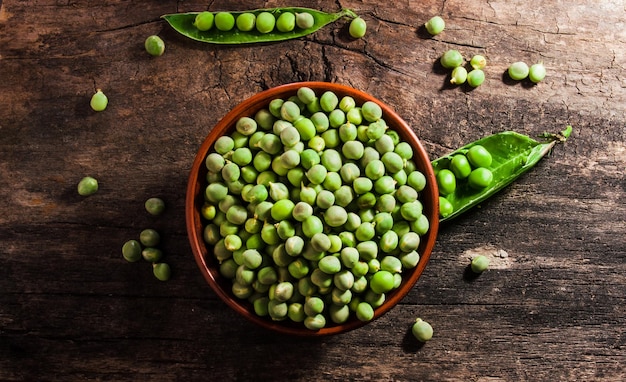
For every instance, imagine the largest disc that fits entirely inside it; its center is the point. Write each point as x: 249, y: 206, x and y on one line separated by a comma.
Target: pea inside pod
x: 184, y: 23
x: 512, y: 154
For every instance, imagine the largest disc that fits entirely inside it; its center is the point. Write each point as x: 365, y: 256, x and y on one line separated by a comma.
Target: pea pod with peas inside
x: 512, y: 154
x: 305, y: 22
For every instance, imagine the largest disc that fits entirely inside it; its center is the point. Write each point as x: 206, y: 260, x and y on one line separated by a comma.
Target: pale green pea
x: 329, y: 264
x: 364, y: 312
x: 384, y: 144
x: 357, y: 27
x: 360, y: 269
x: 389, y: 241
x: 315, y: 322
x: 339, y: 314
x: 353, y: 150
x: 344, y: 195
x: 317, y: 143
x: 371, y: 111
x: 329, y: 101
x: 355, y: 116
x: 343, y: 280
x: 331, y: 160
x: 409, y: 259
x: 368, y: 250
x: 409, y: 242
x: 265, y: 22
x: 277, y: 309
x: 332, y: 182
x: 361, y: 185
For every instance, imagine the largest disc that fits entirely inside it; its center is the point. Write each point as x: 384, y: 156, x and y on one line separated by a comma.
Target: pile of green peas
x: 471, y: 168
x: 312, y: 208
x: 263, y: 22
x: 474, y: 77
x: 147, y: 245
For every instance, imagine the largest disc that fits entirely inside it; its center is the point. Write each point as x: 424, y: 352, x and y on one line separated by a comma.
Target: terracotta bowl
x: 195, y: 199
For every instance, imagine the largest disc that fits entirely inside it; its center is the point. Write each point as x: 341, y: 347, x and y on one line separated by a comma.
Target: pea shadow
x: 410, y: 344
x: 422, y: 33
x: 470, y: 276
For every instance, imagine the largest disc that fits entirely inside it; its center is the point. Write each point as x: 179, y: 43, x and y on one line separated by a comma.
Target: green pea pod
x: 513, y: 154
x: 183, y: 23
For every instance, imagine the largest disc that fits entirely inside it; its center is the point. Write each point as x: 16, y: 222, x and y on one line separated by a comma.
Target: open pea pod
x: 512, y: 153
x: 183, y: 23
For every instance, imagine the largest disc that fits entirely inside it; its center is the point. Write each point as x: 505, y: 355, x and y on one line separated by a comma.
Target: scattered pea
x: 99, y: 101
x: 422, y: 330
x: 154, y: 45
x: 518, y: 70
x: 478, y: 62
x: 536, y: 73
x: 155, y: 206
x: 131, y: 251
x: 459, y: 75
x: 435, y: 25
x: 479, y: 264
x: 475, y: 78
x: 451, y: 59
x: 87, y: 186
x: 357, y: 27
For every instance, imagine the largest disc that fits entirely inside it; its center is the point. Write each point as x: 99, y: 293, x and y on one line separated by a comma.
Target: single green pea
x: 269, y: 234
x: 359, y: 270
x: 405, y: 194
x: 286, y: 22
x: 154, y: 45
x: 261, y: 306
x: 339, y: 314
x: 87, y: 186
x: 445, y: 207
x: 435, y: 25
x: 329, y: 264
x: 478, y: 62
x: 149, y: 237
x: 536, y: 72
x: 152, y: 254
x: 329, y: 101
x: 271, y: 144
x: 368, y: 250
x: 422, y: 330
x: 306, y: 128
x: 204, y: 21
x: 355, y: 116
x: 479, y: 156
x: 384, y: 185
x: 371, y: 111
x: 224, y: 144
x: 246, y: 21
x: 446, y: 181
x: 316, y: 174
x: 364, y: 312
x: 518, y: 71
x: 305, y: 20
x: 246, y: 126
x: 299, y: 268
x: 357, y: 28
x: 353, y: 150
x: 460, y: 166
x: 312, y: 225
x: 410, y: 211
x: 420, y: 225
x: 458, y: 76
x: 315, y: 322
x: 389, y: 241
x: 475, y: 78
x: 335, y: 216
x: 282, y: 209
x: 306, y: 94
x: 393, y: 162
x: 479, y: 264
x: 347, y: 103
x: 331, y: 160
x: 224, y: 21
x: 99, y: 101
x: 162, y: 271
x: 375, y: 169
x: 349, y: 256
x: 131, y: 251
x: 409, y: 259
x: 362, y: 185
x: 365, y: 231
x: 344, y: 281
x: 451, y: 59
x: 408, y: 242
x: 480, y: 178
x: 277, y: 310
x: 295, y: 312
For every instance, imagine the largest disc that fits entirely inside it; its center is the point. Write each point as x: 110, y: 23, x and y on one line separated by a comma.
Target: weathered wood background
x: 551, y: 307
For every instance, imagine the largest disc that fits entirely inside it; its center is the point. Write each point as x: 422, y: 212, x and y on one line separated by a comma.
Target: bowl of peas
x: 312, y: 208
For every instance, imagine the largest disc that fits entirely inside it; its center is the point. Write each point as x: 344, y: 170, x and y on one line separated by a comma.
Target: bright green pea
x: 215, y: 192
x: 282, y: 209
x: 421, y: 225
x: 371, y: 111
x: 417, y: 180
x: 409, y: 242
x: 435, y: 25
x: 409, y: 259
x: 451, y: 59
x: 410, y: 211
x: 386, y: 203
x: 357, y: 27
x: 246, y: 21
x: 161, y: 271
x: 382, y: 282
x: 479, y: 156
x: 366, y: 201
x: 339, y: 314
x: 460, y: 166
x: 87, y: 186
x: 312, y: 225
x: 359, y: 270
x: 271, y: 144
x: 383, y: 222
x: 446, y: 181
x: 480, y: 178
x: 242, y: 156
x: 204, y: 21
x: 475, y: 78
x: 154, y: 45
x: 246, y: 126
x: 308, y: 194
x: 331, y: 160
x: 479, y: 264
x: 306, y: 128
x: 536, y: 73
x: 99, y: 101
x: 317, y: 173
x: 265, y: 22
x: 422, y: 330
x: 384, y: 185
x: 518, y: 70
x: 362, y: 185
x: 321, y: 122
x: 344, y: 196
x: 365, y: 231
x: 317, y: 143
x: 375, y: 169
x: 389, y: 241
x: 445, y: 207
x: 224, y: 21
x: 329, y: 101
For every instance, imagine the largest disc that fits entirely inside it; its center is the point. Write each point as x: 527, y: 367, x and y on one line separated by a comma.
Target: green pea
x: 305, y: 20
x: 357, y: 27
x: 149, y: 237
x: 382, y: 282
x: 246, y: 126
x: 451, y: 59
x: 417, y: 180
x: 435, y: 25
x: 204, y: 21
x: 368, y: 250
x: 386, y: 203
x: 422, y: 330
x: 344, y: 281
x: 409, y: 259
x: 421, y: 225
x: 359, y: 270
x: 383, y: 222
x: 215, y: 192
x: 458, y: 76
x: 261, y: 306
x: 355, y: 116
x: 161, y: 271
x: 299, y: 268
x: 446, y: 181
x: 312, y: 225
x: 306, y: 128
x: 475, y: 78
x: 331, y: 160
x: 282, y: 209
x: 478, y: 62
x: 329, y: 264
x: 335, y: 216
x: 371, y: 111
x: 131, y: 251
x: 347, y: 132
x: 410, y: 211
x: 224, y: 21
x: 87, y: 186
x: 479, y: 156
x: 339, y: 314
x: 343, y: 196
x: 295, y: 312
x: 228, y: 268
x: 317, y: 143
x: 349, y: 256
x: 536, y: 73
x: 364, y: 312
x: 384, y: 185
x: 329, y: 101
x: 264, y: 119
x: 479, y: 264
x: 154, y: 45
x: 375, y: 169
x: 271, y: 144
x: 445, y: 207
x: 365, y: 231
x: 315, y: 322
x: 408, y: 242
x: 305, y: 94
x: 99, y: 101
x: 362, y: 185
x: 316, y: 174
x: 480, y: 178
x: 460, y: 166
x: 366, y: 201
x: 151, y: 254
x: 389, y: 241
x: 246, y: 21
x: 308, y: 194
x: 277, y: 310
x: 518, y: 71
x: 321, y: 122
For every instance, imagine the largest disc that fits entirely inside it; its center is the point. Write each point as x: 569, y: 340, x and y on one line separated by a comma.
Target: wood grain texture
x: 550, y: 308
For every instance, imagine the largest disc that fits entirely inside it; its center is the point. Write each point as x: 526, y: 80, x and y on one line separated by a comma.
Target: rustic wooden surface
x: 551, y: 307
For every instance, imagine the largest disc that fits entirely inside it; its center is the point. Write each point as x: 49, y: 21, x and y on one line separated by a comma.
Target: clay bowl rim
x: 194, y: 199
